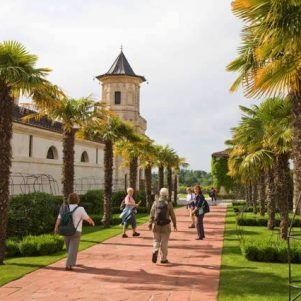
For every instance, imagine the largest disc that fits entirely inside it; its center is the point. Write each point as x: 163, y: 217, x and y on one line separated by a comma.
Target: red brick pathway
x: 121, y: 269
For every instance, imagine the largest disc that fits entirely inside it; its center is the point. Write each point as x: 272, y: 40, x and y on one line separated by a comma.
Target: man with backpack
x: 161, y: 215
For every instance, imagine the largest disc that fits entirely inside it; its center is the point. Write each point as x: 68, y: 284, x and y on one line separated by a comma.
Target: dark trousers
x: 200, y: 226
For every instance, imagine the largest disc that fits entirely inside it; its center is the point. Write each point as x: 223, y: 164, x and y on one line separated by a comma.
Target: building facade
x: 37, y: 145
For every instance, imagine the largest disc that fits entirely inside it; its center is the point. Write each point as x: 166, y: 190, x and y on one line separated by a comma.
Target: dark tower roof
x: 121, y: 66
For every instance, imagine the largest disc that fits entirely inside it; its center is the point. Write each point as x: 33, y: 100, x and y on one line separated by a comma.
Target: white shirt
x: 190, y: 198
x: 78, y: 216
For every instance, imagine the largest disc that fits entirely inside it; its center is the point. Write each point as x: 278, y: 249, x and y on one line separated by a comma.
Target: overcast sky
x: 181, y: 47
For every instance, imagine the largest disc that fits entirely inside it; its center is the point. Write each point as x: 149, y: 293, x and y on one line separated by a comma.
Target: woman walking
x: 78, y: 215
x: 128, y: 214
x: 161, y: 215
x: 201, y: 207
x: 190, y: 206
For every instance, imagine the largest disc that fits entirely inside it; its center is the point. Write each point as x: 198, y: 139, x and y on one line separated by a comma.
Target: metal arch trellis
x: 293, y: 284
x: 25, y: 183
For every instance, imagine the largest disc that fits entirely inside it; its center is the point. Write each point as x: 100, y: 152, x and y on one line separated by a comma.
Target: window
x: 84, y: 157
x: 30, y: 146
x: 52, y: 153
x: 117, y: 97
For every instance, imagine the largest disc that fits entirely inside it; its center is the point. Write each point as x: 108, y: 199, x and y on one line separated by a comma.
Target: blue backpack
x: 66, y: 227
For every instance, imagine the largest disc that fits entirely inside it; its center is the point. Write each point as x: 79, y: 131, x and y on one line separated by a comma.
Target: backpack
x: 66, y: 227
x: 161, y: 212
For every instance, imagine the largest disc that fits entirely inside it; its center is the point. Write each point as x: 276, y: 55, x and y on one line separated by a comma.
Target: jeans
x: 200, y: 226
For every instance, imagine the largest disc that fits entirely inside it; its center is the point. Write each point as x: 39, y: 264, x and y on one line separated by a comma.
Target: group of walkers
x: 71, y: 217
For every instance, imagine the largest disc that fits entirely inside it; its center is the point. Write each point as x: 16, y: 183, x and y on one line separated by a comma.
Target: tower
x: 121, y: 92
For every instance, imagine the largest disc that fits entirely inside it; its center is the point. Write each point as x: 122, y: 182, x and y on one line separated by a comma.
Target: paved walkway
x: 121, y: 269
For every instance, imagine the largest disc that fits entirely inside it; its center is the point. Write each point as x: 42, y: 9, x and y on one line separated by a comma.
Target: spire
x: 121, y: 66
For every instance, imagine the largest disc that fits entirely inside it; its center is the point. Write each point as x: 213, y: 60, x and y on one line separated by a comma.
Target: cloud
x: 182, y: 47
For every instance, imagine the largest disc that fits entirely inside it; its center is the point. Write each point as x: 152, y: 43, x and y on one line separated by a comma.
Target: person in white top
x: 78, y: 216
x: 190, y: 205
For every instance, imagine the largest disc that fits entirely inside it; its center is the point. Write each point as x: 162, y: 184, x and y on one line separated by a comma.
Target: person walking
x: 72, y: 239
x: 201, y: 207
x: 190, y: 206
x: 212, y: 194
x: 161, y: 215
x: 129, y: 212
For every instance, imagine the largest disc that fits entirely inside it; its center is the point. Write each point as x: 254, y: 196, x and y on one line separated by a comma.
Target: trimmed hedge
x: 258, y: 220
x: 264, y: 250
x: 35, y: 245
x: 32, y: 213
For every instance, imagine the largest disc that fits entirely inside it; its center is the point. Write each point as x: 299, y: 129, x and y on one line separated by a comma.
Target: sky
x: 181, y: 47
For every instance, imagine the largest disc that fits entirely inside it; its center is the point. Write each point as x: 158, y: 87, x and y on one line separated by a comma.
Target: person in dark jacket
x: 201, y: 207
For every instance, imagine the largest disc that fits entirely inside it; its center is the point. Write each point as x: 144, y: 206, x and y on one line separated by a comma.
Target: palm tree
x: 147, y: 159
x: 72, y: 113
x: 18, y: 75
x: 269, y: 58
x: 130, y: 150
x: 109, y: 130
x: 262, y: 145
x: 178, y: 163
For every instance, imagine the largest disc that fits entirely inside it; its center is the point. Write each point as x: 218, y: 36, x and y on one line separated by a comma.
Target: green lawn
x: 15, y: 268
x: 246, y: 280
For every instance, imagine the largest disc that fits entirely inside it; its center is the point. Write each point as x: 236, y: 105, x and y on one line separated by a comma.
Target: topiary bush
x: 258, y: 220
x: 33, y: 213
x: 35, y: 245
x: 265, y: 250
x: 92, y: 201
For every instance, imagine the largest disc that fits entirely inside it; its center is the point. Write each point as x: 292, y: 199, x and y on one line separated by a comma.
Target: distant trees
x: 192, y: 177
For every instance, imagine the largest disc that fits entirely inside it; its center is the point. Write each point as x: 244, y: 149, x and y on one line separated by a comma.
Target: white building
x: 37, y: 145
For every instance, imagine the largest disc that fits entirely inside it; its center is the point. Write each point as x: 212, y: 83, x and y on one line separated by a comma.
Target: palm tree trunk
x: 161, y: 176
x: 271, y: 194
x: 281, y: 170
x: 175, y: 197
x: 148, y: 185
x: 68, y: 162
x: 133, y: 172
x: 108, y: 177
x: 254, y: 196
x: 249, y: 194
x: 296, y: 112
x: 6, y: 121
x: 261, y: 195
x: 169, y: 183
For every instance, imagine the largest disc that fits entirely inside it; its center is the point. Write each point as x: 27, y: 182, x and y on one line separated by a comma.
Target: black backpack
x: 161, y: 212
x: 66, y: 227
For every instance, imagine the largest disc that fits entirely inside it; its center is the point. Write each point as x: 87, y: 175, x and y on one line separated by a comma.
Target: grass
x: 250, y: 281
x: 15, y: 268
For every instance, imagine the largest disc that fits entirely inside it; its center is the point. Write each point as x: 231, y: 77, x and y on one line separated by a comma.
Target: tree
x: 109, y: 130
x: 269, y: 60
x: 71, y: 113
x: 130, y: 150
x: 18, y: 76
x: 262, y: 146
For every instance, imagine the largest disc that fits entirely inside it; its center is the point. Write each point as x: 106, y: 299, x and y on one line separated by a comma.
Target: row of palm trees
x: 259, y: 154
x: 82, y: 118
x: 269, y: 66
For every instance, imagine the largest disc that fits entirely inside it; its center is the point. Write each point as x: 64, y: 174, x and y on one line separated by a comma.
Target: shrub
x: 38, y: 245
x: 12, y: 248
x: 49, y: 244
x: 258, y: 220
x: 117, y: 198
x: 238, y: 203
x: 92, y: 201
x: 32, y: 213
x: 265, y: 250
x: 28, y: 246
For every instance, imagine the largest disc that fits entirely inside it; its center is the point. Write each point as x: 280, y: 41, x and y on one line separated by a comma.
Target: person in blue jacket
x: 201, y: 207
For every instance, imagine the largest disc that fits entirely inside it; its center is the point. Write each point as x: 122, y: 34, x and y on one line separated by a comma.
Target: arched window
x: 52, y: 153
x: 84, y: 157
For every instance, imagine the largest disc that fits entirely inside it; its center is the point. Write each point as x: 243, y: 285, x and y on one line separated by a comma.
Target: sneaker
x: 155, y: 257
x: 124, y: 236
x: 164, y: 261
x: 136, y: 234
x: 191, y: 226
